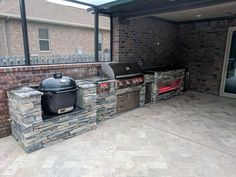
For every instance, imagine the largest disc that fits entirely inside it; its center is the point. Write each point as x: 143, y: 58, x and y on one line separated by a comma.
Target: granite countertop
x: 85, y: 84
x: 26, y: 92
x: 97, y: 79
x: 160, y: 69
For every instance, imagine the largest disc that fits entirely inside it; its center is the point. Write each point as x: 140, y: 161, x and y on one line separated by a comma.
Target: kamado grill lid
x: 57, y: 83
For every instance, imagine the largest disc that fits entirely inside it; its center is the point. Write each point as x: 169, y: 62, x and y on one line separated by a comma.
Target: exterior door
x: 228, y: 86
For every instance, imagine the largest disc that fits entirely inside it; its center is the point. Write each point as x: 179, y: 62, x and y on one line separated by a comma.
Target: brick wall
x: 13, y: 77
x: 201, y: 48
x: 64, y: 40
x: 149, y: 41
x: 14, y: 38
x: 3, y: 44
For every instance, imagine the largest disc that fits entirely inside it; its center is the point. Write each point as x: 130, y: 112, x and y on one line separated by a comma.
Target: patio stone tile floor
x: 193, y: 135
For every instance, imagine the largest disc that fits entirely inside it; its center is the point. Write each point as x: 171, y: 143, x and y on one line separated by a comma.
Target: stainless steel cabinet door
x: 128, y: 101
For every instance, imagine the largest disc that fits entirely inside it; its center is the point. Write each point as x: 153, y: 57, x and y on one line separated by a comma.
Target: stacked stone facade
x: 33, y: 132
x: 13, y: 77
x: 168, y: 76
x: 159, y: 77
x: 106, y: 103
x: 142, y: 95
x: 85, y: 93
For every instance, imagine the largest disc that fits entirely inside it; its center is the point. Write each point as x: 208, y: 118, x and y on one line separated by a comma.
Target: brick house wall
x: 12, y: 77
x: 148, y: 41
x: 14, y: 38
x: 3, y: 44
x: 201, y: 48
x: 70, y: 30
x: 64, y: 40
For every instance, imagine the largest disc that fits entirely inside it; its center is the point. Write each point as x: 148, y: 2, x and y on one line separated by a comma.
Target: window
x: 100, y: 40
x: 43, y: 40
x: 69, y: 42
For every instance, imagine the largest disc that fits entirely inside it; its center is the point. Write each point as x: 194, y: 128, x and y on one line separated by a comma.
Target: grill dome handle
x: 57, y: 75
x: 66, y: 91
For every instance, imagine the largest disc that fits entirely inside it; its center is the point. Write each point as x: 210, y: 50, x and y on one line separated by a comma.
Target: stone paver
x: 193, y: 135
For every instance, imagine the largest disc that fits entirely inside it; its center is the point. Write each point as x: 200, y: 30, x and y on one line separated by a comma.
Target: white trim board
x: 225, y: 66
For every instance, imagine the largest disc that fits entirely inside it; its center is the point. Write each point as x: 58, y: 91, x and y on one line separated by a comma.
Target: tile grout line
x: 191, y: 140
x: 187, y: 139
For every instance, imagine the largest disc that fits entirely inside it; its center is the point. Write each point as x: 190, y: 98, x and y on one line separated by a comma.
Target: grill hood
x: 121, y: 70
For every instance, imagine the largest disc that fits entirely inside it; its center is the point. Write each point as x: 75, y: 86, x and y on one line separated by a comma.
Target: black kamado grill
x: 60, y: 93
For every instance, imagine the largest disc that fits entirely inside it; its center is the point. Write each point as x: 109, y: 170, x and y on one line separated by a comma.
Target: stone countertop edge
x: 25, y: 92
x: 85, y: 84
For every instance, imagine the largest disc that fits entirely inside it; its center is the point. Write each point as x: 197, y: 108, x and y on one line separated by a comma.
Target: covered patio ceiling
x: 137, y: 8
x: 172, y: 10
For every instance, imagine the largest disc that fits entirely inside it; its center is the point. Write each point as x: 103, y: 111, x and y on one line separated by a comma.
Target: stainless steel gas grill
x: 125, y: 74
x: 128, y: 84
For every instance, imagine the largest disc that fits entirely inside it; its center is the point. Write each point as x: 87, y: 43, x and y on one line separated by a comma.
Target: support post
x: 96, y: 34
x: 111, y: 38
x: 24, y: 32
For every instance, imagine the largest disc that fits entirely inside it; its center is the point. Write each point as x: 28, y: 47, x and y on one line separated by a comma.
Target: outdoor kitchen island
x: 98, y: 99
x: 34, y: 131
x: 163, y: 83
x: 129, y: 84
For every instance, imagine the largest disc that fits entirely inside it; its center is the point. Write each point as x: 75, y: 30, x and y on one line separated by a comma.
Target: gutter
x: 54, y: 22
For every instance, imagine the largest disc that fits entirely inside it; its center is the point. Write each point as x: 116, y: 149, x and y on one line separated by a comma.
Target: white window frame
x: 100, y: 39
x: 225, y: 66
x: 48, y: 40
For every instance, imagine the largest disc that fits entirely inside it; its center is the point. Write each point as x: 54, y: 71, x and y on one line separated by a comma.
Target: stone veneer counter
x: 105, y: 101
x: 33, y: 133
x: 157, y: 78
x: 166, y: 76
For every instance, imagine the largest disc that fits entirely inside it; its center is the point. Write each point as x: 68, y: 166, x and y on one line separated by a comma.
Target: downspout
x: 111, y: 38
x: 96, y: 33
x: 24, y: 31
